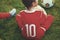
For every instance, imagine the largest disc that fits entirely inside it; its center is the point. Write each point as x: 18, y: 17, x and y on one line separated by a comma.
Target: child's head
x: 30, y: 3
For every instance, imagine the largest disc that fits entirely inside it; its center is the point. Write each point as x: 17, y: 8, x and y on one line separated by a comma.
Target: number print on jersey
x: 29, y: 30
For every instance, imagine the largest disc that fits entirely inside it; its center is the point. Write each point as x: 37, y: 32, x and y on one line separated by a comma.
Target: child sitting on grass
x: 33, y: 21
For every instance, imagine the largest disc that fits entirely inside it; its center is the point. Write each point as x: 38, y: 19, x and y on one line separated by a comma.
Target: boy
x: 4, y: 15
x: 33, y: 21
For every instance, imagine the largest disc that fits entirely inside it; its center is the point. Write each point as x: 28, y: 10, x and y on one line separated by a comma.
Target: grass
x: 9, y: 28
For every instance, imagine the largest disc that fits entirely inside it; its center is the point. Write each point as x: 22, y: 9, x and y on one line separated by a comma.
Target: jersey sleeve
x: 19, y: 21
x: 47, y: 21
x: 4, y: 15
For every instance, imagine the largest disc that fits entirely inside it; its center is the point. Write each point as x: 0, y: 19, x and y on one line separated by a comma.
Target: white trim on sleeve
x: 43, y: 28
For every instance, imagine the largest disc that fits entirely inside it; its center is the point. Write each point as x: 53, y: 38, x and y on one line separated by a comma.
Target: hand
x: 13, y: 12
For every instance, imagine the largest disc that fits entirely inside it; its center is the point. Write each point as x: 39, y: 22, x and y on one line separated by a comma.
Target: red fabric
x: 47, y: 23
x: 38, y: 19
x: 4, y: 15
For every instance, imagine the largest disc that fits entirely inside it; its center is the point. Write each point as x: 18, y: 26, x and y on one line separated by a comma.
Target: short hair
x: 28, y: 3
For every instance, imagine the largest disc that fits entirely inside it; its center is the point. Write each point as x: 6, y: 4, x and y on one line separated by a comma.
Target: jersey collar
x: 37, y: 8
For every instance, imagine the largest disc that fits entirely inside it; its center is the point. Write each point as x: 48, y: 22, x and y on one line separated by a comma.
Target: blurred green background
x: 9, y: 28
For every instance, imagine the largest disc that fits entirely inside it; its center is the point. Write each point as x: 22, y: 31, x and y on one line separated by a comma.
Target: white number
x: 29, y: 30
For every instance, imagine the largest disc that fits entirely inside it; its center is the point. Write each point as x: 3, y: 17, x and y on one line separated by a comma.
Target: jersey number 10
x: 30, y: 32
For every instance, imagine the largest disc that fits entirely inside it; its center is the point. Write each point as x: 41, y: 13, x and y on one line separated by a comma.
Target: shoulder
x: 20, y: 13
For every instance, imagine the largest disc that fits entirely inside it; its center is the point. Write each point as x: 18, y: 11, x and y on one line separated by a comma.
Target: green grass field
x: 9, y: 28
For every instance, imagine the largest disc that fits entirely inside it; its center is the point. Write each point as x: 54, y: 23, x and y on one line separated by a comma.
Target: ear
x: 33, y: 4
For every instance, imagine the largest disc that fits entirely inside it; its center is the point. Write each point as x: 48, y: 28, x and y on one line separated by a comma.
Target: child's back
x: 30, y: 24
x: 33, y: 21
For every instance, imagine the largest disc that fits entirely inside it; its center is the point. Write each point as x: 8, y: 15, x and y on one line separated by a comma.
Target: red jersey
x: 33, y: 24
x: 4, y: 15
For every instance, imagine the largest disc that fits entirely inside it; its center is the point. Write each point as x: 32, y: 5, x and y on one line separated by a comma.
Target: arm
x: 7, y: 14
x: 19, y: 21
x: 4, y: 15
x: 46, y: 21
